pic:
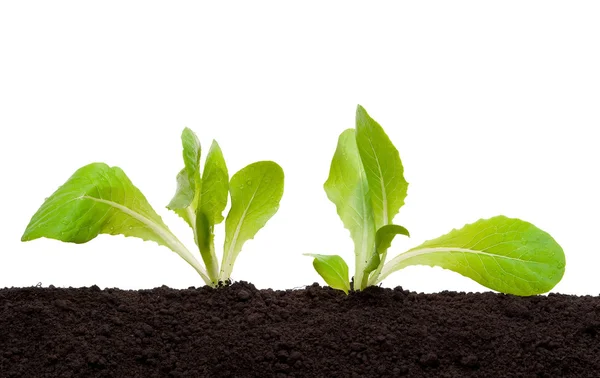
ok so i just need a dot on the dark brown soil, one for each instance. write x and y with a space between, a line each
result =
239 331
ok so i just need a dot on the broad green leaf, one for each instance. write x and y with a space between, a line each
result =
98 199
385 235
255 194
333 269
188 179
383 168
213 199
348 189
215 185
504 254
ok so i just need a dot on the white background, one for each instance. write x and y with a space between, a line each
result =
494 107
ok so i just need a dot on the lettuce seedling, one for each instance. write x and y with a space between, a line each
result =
99 199
366 183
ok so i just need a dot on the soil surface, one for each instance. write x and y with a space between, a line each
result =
239 331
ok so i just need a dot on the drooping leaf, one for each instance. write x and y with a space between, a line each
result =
385 235
181 201
188 179
98 199
383 168
333 270
504 254
255 194
348 189
383 241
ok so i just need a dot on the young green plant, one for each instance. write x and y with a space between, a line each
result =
99 199
366 183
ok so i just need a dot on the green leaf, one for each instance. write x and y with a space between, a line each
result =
213 199
255 194
348 189
333 269
188 179
385 235
181 201
504 254
383 168
205 239
374 265
98 199
215 185
383 241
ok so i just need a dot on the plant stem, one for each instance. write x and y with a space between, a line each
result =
210 258
377 272
185 254
168 237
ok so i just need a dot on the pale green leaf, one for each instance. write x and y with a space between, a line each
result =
98 199
188 179
181 201
382 166
255 194
348 189
215 185
504 254
333 270
213 199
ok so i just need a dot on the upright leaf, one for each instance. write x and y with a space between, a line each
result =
99 199
333 270
188 179
215 185
255 194
383 168
213 199
504 254
348 189
191 156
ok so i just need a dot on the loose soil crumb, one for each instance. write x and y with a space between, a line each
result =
239 331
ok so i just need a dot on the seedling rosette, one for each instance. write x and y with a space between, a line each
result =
366 183
99 199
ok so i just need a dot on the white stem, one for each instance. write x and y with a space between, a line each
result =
230 254
373 280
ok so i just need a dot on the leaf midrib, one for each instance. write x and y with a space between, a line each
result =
236 234
423 251
383 186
